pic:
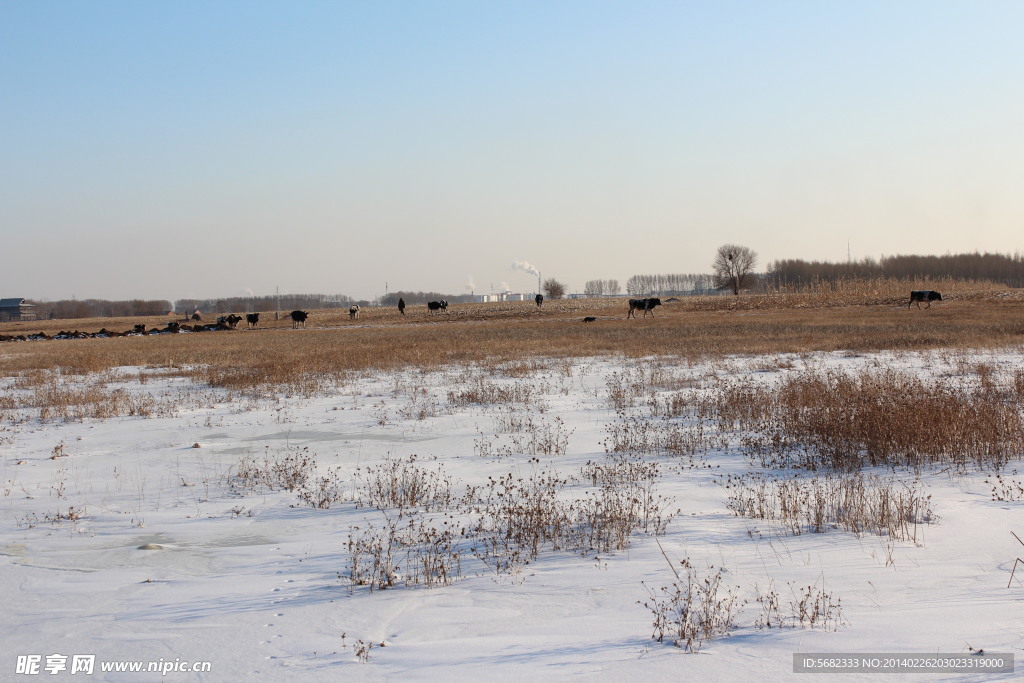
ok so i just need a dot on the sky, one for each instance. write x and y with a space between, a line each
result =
159 150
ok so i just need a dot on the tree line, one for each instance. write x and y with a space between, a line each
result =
602 288
999 268
270 302
102 308
676 283
419 298
99 308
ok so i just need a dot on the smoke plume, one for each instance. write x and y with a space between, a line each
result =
525 267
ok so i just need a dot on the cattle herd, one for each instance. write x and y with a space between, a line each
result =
298 318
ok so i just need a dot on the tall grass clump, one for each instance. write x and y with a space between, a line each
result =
274 472
842 421
694 608
404 484
852 502
629 434
518 517
405 550
58 397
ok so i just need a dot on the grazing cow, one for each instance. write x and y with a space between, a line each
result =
539 300
298 317
196 317
401 306
919 295
353 312
589 319
644 305
233 320
253 319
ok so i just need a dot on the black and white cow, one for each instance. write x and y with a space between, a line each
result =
441 305
353 312
927 295
643 305
298 317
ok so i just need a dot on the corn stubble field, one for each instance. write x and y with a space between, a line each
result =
677 469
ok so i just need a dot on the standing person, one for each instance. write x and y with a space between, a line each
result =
401 305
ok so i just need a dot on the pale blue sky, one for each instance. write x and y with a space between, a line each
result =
209 148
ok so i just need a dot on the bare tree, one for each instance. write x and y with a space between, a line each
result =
601 288
553 289
734 267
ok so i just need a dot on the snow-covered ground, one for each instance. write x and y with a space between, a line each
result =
133 538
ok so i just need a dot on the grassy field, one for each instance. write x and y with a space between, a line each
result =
872 317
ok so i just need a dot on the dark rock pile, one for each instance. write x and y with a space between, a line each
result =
104 333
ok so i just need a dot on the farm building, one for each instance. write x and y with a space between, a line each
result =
503 296
16 309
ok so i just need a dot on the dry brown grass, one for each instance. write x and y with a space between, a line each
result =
835 420
855 502
381 339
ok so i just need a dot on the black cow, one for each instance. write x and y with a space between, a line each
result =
233 320
644 305
441 305
919 295
253 319
589 319
539 300
298 317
